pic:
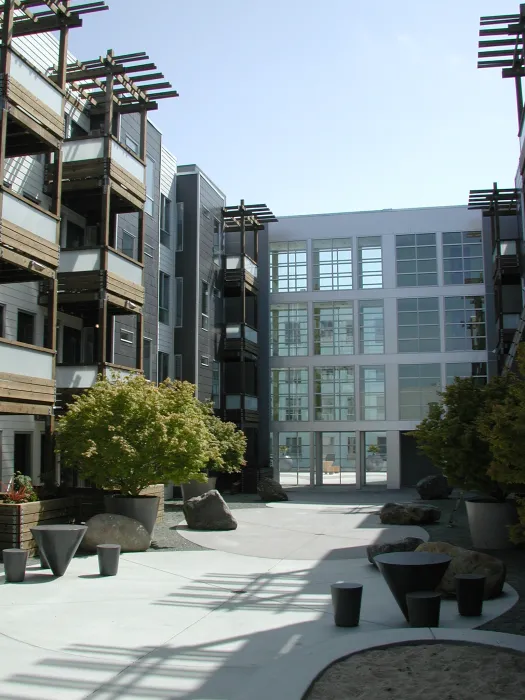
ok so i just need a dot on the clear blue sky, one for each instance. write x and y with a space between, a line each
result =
322 106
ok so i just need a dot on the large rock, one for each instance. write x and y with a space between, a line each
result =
208 512
109 528
409 544
466 561
433 487
408 514
270 490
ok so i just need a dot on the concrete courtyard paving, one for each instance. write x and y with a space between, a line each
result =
202 625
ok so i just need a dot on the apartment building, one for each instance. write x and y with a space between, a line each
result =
367 316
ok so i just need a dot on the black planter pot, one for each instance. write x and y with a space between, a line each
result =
141 508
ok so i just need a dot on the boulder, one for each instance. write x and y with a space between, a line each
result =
466 561
208 512
409 544
433 487
270 490
109 528
408 514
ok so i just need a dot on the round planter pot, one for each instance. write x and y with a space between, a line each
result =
489 523
141 508
197 488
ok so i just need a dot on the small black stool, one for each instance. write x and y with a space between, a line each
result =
15 561
423 608
108 558
470 591
346 601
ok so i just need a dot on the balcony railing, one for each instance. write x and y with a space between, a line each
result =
235 331
26 376
234 402
237 262
88 260
84 376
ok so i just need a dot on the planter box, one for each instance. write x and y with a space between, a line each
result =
90 502
16 520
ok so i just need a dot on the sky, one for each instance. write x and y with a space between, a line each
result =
316 106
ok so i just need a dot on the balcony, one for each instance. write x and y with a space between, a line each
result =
238 269
85 168
28 237
79 273
240 337
26 379
84 376
35 104
505 259
241 408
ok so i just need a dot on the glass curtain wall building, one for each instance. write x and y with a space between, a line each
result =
370 315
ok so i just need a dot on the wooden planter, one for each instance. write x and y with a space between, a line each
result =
16 520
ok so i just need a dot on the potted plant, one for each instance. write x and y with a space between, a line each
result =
230 448
452 438
20 490
127 433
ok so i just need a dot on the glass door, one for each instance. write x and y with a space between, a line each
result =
375 458
336 456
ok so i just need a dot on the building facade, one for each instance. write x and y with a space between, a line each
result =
368 316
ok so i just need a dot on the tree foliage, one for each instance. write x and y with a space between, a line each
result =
128 433
230 443
451 437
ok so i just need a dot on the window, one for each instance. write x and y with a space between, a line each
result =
2 321
25 329
178 367
372 393
126 336
180 227
131 144
163 366
216 384
371 327
178 301
294 455
150 185
463 258
334 393
418 387
290 394
416 260
148 250
476 370
289 328
205 360
288 272
205 305
334 328
165 220
370 262
146 359
23 453
418 327
332 264
465 323
128 244
164 298
71 346
75 234
217 241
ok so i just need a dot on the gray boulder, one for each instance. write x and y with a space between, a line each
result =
270 490
408 514
409 544
109 528
208 512
433 487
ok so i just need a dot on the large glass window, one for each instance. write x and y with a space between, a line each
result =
294 458
418 386
338 455
463 258
150 185
288 271
334 393
371 327
465 323
290 394
372 393
289 324
418 325
164 298
416 260
334 328
332 264
476 370
370 262
165 220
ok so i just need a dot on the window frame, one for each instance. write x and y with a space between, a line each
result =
179 302
163 357
205 305
407 373
334 409
164 297
416 342
28 314
365 327
362 263
329 269
165 221
295 278
149 204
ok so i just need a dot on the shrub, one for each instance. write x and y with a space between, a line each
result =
20 490
230 443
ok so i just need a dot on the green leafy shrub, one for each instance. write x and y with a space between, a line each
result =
20 490
230 443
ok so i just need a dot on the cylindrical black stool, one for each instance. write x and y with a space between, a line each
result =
108 557
15 561
423 608
470 589
346 600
